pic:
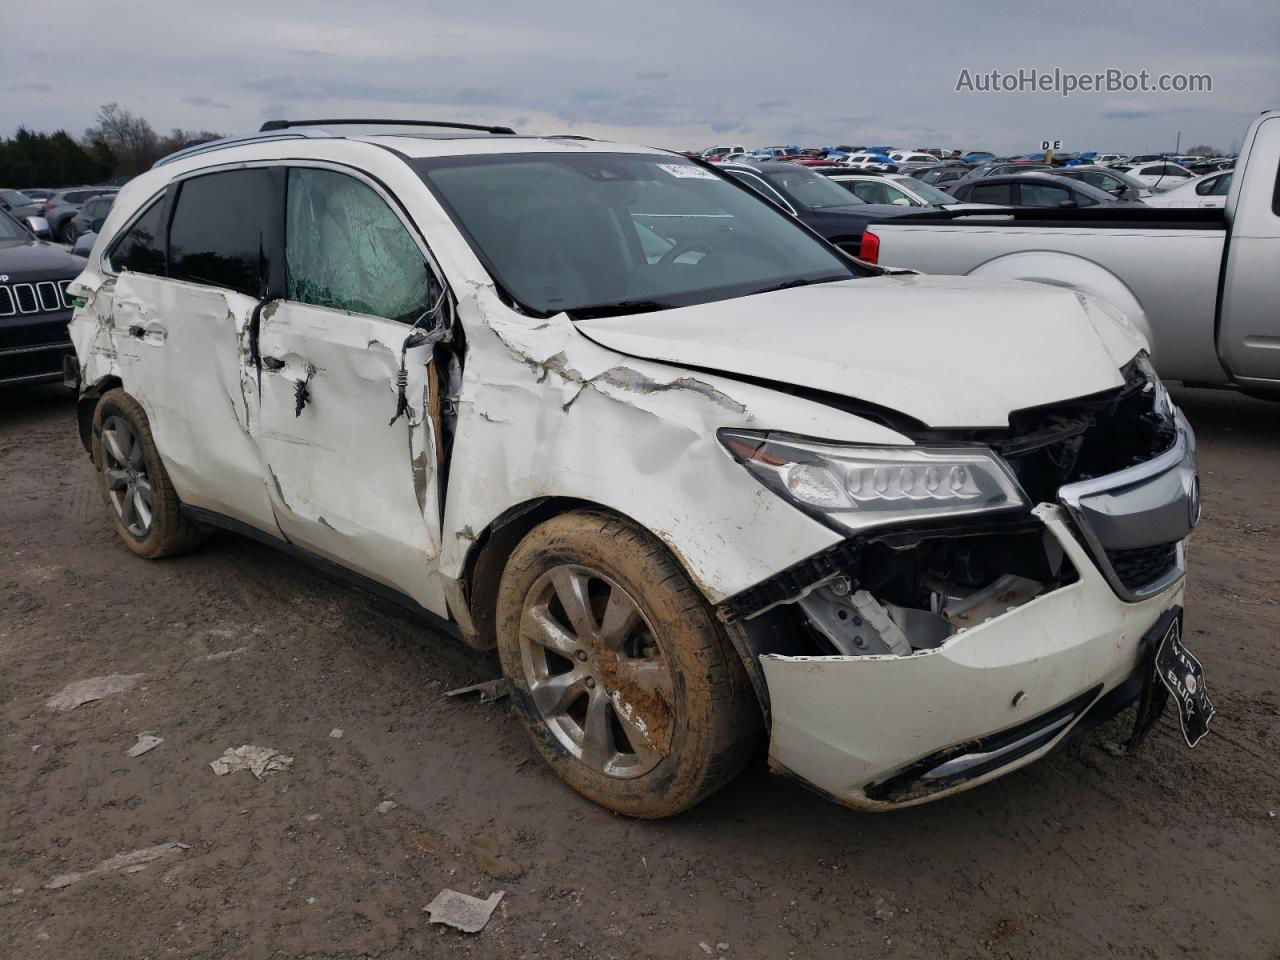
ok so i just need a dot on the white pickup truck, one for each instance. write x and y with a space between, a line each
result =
1201 285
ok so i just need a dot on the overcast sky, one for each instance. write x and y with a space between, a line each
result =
676 74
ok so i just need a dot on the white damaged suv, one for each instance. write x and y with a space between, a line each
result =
695 474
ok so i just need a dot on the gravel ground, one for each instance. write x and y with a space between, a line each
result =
1164 853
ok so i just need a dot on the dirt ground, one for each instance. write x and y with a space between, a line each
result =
1165 853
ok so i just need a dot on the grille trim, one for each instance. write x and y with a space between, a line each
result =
47 291
28 299
1168 509
25 294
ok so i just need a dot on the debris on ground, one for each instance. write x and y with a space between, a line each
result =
705 947
722 947
490 859
126 862
95 688
460 911
336 733
386 806
146 742
259 761
489 691
430 844
1113 748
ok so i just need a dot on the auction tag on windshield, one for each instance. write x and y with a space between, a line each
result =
1181 673
687 171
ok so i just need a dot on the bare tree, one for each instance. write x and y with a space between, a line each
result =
1204 150
129 138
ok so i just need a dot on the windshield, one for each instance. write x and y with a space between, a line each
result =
598 234
808 189
925 192
15 198
9 230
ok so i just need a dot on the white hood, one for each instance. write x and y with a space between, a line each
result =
948 351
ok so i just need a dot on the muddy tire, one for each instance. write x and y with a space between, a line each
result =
618 669
135 487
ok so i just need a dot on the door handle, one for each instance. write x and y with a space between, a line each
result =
154 334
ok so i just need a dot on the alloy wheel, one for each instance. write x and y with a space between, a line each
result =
596 672
125 469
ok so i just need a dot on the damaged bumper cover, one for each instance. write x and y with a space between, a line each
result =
856 728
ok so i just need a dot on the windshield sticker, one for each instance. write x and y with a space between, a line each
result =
687 171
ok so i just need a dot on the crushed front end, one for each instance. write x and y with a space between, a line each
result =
993 595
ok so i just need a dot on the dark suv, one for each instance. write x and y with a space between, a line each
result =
34 305
820 204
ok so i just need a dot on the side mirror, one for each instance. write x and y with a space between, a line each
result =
901 202
39 226
84 244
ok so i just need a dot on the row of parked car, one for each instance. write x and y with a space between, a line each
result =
68 212
917 178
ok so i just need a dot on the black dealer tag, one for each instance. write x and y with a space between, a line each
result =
1182 675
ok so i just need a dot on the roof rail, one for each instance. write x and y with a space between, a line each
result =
286 124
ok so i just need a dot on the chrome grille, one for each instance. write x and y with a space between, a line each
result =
46 296
25 294
47 291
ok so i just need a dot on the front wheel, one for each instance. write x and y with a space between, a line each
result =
622 677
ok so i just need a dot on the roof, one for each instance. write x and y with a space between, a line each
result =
413 140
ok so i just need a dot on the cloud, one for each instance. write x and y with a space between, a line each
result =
668 77
196 100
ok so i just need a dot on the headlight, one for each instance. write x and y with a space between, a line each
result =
858 487
1160 399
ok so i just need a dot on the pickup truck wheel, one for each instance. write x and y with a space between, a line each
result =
618 670
142 503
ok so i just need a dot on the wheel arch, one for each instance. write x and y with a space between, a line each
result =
487 558
1075 272
87 403
488 554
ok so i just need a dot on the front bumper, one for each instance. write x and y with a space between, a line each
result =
851 727
32 346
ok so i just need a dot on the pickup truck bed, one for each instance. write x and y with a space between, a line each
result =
1202 285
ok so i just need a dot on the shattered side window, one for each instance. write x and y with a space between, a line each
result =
346 249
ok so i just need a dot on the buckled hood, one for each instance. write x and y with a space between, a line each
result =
948 351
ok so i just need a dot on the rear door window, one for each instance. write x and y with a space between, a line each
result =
141 248
220 231
1043 195
346 249
1000 193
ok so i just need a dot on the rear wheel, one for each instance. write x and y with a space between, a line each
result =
135 487
618 670
68 231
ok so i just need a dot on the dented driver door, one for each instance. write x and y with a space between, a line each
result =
351 468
